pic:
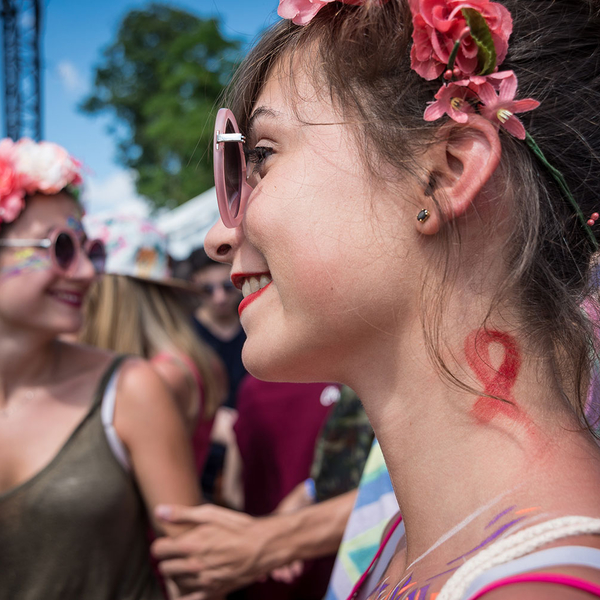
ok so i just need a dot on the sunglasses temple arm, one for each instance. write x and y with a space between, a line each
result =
26 243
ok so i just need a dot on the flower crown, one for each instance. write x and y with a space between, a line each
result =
27 167
463 41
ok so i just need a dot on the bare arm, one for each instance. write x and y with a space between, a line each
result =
227 550
150 425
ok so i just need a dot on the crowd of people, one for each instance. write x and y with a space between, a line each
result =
377 380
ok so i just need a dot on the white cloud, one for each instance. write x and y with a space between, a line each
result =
114 194
70 77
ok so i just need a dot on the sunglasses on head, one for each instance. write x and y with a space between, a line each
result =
231 180
65 248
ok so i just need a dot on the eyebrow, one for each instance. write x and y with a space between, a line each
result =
261 111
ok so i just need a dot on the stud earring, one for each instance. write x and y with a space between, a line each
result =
423 215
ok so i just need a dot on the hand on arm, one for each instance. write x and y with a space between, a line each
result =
227 550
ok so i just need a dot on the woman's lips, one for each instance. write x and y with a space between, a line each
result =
251 298
74 299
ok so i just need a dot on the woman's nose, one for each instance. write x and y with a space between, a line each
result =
221 242
85 268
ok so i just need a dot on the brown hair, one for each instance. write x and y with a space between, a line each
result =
132 316
362 56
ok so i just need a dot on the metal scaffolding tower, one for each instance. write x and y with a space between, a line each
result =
22 68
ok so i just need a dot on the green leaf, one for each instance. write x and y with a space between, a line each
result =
481 34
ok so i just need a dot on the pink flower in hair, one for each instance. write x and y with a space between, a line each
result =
500 108
438 24
27 167
301 12
44 167
451 100
11 206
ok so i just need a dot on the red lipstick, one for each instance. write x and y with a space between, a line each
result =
251 298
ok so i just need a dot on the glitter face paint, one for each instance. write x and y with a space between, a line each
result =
23 261
409 589
76 225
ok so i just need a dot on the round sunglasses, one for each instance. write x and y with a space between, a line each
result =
65 249
231 182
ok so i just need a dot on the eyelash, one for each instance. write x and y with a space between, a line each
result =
257 157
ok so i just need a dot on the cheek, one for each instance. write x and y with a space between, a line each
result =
24 262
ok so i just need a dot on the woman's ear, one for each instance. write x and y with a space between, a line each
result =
460 166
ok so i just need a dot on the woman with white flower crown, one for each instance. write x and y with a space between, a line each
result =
89 441
409 197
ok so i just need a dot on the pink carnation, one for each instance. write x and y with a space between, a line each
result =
44 167
438 24
301 12
11 206
27 167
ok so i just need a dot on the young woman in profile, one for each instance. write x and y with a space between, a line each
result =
90 441
394 226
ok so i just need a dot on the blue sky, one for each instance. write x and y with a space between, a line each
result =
75 32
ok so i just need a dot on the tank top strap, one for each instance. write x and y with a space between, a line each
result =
553 578
580 556
106 377
107 396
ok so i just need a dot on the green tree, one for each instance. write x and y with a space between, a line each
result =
161 78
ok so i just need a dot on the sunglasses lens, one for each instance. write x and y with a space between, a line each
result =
233 172
64 251
97 255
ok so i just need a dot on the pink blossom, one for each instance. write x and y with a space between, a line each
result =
451 100
11 206
44 167
501 108
302 12
27 167
438 24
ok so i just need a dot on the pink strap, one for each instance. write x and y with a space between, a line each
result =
386 539
566 580
181 358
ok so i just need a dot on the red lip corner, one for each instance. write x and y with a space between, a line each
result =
251 298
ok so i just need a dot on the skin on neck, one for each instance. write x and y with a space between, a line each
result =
450 451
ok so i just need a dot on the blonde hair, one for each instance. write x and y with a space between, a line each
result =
133 316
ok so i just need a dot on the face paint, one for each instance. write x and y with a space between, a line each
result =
409 589
497 382
26 260
76 225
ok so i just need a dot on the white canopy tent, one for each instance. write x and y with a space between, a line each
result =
187 225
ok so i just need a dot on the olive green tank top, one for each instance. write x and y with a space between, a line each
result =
77 529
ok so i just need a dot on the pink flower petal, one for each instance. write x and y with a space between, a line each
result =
434 111
515 127
488 95
508 89
458 115
521 106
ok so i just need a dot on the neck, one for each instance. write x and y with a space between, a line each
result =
26 359
454 455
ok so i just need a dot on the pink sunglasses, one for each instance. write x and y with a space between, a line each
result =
65 250
231 182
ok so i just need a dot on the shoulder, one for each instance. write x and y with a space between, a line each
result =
175 374
139 383
144 404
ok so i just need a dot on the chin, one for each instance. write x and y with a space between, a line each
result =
285 365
